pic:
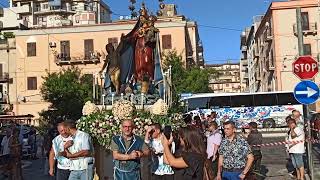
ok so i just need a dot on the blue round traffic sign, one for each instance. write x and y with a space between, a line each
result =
306 92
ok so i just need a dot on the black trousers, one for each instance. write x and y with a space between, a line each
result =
163 177
256 166
62 174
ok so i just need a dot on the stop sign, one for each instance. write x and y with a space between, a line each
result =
305 67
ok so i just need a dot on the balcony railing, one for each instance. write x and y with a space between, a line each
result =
39 10
66 59
312 29
22 9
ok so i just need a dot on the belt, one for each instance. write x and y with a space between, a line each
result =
233 169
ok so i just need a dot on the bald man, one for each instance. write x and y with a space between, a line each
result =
63 164
127 149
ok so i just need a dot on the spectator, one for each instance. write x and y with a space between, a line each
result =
316 127
188 119
254 139
127 150
213 116
32 141
191 162
296 150
197 123
63 164
47 145
213 144
15 153
5 148
80 151
296 115
235 156
160 170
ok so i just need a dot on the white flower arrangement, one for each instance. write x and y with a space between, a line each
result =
159 108
89 108
103 125
123 109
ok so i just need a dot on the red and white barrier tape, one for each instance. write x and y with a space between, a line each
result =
286 142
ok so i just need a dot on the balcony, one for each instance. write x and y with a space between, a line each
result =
311 30
25 9
41 11
65 59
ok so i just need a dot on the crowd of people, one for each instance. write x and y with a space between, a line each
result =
204 150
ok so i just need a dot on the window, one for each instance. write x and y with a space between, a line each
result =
113 41
242 101
307 49
1 71
305 21
265 99
45 6
286 98
223 101
166 42
65 50
88 48
32 83
31 49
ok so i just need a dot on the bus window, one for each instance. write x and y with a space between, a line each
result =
242 101
265 99
219 101
197 103
286 98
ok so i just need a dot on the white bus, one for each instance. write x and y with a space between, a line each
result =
268 109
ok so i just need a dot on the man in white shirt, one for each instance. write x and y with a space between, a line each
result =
5 142
80 151
63 164
296 150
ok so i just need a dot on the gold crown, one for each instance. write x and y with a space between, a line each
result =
143 11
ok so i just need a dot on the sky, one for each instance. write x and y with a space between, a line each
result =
214 17
220 22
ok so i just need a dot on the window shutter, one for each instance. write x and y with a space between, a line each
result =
166 42
32 83
88 48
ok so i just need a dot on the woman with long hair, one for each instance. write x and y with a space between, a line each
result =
191 162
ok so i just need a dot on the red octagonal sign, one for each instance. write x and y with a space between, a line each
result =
305 67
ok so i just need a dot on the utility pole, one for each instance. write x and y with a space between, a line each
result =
306 120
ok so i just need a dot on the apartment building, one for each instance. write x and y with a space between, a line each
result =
274 45
55 13
228 80
51 49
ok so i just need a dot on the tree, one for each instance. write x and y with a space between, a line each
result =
67 91
191 80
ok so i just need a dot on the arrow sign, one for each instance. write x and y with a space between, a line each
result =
306 92
310 92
